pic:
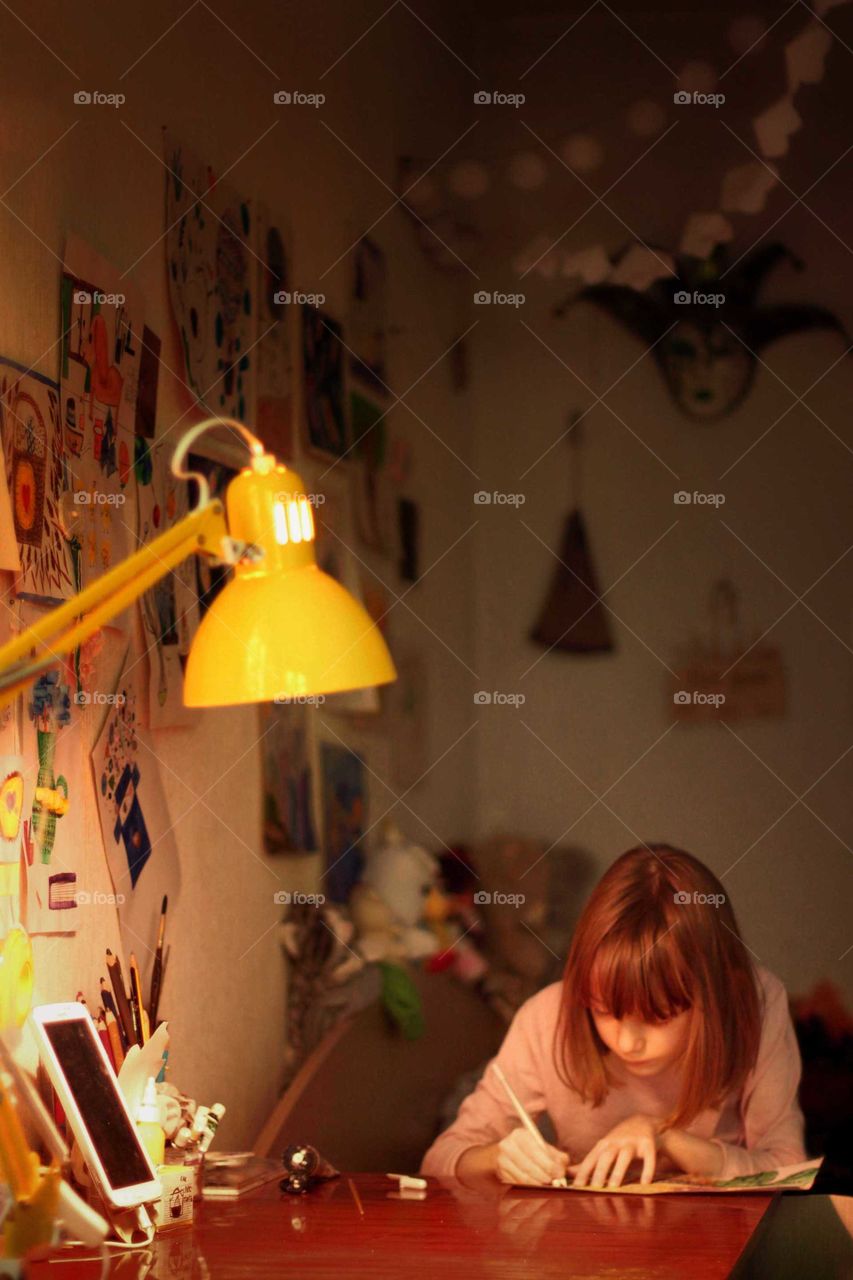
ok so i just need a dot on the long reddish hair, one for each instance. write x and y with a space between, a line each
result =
659 937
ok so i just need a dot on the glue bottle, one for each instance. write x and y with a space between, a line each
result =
148 1124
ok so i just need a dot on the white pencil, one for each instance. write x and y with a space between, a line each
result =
524 1117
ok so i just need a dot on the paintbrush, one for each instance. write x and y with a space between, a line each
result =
157 968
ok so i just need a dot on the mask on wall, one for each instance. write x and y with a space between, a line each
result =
707 326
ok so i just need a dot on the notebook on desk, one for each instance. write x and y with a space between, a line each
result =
792 1177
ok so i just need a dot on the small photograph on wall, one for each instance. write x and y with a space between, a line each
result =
344 801
326 423
288 779
373 497
368 316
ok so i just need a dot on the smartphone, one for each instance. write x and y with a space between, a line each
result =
85 1083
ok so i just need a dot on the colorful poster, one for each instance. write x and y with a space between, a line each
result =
367 322
277 314
38 476
326 425
288 807
211 282
9 557
344 792
169 609
99 379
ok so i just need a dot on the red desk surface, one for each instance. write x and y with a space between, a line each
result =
454 1233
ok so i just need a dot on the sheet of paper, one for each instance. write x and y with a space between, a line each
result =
794 1176
36 464
210 268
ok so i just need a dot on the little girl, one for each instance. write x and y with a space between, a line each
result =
663 1044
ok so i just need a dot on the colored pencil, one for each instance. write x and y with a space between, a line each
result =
157 969
122 1003
136 999
104 1037
110 1007
112 1025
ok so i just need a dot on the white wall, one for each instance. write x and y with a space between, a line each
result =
604 717
225 992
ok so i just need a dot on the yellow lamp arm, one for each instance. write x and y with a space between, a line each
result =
202 531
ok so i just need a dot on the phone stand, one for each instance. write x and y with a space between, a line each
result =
131 1228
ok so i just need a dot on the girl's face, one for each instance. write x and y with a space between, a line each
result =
645 1048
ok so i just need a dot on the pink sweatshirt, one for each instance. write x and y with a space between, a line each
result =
760 1129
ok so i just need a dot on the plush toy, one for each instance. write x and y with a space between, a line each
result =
401 875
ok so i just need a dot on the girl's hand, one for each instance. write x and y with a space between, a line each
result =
519 1157
634 1139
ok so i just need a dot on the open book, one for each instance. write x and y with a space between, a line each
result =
798 1177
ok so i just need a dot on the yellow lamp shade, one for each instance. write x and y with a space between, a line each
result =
281 628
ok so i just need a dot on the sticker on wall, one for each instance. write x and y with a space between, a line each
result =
210 271
99 380
37 475
278 315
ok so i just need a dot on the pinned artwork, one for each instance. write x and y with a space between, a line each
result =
288 801
169 609
15 795
274 350
9 558
374 510
344 792
708 355
53 830
326 426
119 771
99 380
211 286
367 322
37 475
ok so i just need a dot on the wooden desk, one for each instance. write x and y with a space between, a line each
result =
453 1234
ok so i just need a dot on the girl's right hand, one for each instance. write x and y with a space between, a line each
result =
521 1158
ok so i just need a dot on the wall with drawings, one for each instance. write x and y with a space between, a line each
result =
90 221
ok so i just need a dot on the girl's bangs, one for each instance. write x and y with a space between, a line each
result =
644 977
